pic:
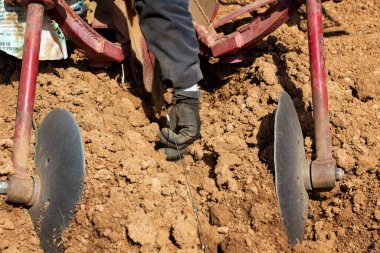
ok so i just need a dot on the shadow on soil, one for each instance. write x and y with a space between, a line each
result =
265 135
218 76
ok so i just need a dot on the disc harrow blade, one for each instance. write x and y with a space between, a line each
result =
60 167
290 162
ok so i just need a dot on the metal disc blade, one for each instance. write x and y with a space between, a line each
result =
290 161
60 167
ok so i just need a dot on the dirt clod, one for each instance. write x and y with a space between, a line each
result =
220 215
185 233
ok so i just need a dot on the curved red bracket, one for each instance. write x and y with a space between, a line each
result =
250 35
87 40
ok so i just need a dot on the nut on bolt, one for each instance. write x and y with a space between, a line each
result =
3 187
339 173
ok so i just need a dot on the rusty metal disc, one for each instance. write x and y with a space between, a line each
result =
60 168
290 162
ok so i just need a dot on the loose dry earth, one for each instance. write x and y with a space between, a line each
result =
135 201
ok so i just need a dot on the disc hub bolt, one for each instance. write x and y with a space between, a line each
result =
3 187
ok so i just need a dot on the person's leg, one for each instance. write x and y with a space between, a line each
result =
168 29
169 32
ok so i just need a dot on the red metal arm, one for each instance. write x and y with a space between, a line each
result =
324 167
318 79
27 90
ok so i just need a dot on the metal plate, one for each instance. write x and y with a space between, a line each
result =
290 161
60 166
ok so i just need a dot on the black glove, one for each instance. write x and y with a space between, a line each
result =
185 123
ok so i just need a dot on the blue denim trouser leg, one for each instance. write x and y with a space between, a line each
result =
168 29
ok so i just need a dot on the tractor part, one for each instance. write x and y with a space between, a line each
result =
3 187
22 188
220 45
293 173
204 12
248 36
87 40
290 163
323 168
60 167
54 190
27 89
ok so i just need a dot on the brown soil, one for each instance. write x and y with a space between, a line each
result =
135 201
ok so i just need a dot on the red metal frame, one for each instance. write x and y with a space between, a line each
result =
98 48
323 168
250 35
84 36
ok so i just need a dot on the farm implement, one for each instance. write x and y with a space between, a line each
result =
54 189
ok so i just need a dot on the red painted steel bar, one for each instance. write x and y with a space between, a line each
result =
318 79
27 89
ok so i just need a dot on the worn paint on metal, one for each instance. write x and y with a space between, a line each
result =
318 79
84 36
27 89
